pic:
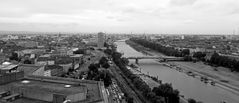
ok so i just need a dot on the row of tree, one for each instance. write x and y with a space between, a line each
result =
128 98
224 61
219 60
200 55
161 94
190 100
167 50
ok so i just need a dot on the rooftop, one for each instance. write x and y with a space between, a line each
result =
28 68
55 85
8 67
27 100
47 86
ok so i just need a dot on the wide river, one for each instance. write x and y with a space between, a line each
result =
188 86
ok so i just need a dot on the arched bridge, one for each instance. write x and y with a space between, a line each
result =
163 59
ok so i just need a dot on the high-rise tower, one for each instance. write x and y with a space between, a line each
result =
101 40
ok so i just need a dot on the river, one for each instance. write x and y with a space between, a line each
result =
188 86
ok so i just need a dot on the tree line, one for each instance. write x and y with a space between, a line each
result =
167 50
219 60
224 61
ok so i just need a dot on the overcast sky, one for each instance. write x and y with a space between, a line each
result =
124 16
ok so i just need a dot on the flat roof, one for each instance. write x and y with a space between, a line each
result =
27 100
57 85
47 86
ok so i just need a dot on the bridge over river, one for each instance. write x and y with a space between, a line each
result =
161 58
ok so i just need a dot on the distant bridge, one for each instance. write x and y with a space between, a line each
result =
163 59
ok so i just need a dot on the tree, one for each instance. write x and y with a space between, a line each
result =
159 99
93 72
236 66
117 55
214 58
106 45
106 65
151 95
14 56
185 52
108 51
233 63
190 100
27 62
103 60
106 78
93 68
167 91
70 70
187 58
199 55
125 61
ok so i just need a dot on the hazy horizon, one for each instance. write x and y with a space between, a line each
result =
118 16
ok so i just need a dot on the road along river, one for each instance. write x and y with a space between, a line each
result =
188 86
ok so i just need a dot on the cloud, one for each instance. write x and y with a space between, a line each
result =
119 15
235 11
232 7
189 21
182 2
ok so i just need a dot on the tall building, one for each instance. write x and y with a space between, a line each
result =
182 37
101 40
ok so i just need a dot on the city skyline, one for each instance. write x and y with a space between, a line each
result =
115 16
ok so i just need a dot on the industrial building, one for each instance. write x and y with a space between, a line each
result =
17 88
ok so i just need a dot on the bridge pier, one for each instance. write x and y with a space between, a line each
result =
136 61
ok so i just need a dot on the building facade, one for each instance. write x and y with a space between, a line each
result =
101 40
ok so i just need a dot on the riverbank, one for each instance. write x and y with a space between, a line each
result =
145 77
152 83
224 78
